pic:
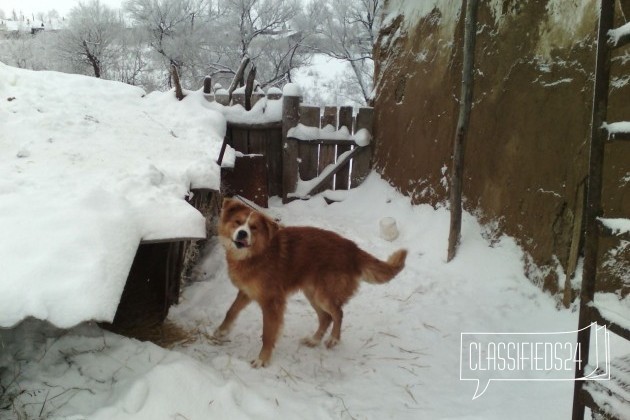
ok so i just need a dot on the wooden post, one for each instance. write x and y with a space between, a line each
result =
238 77
574 250
593 194
362 164
207 85
207 89
465 104
249 87
179 93
290 118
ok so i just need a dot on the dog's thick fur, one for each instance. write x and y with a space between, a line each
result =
268 262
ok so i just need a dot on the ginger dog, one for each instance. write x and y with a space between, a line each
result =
268 262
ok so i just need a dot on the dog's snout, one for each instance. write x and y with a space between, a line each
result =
241 235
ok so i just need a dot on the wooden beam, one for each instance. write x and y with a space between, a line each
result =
593 193
339 166
465 105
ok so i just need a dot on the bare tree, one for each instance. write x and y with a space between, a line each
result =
88 39
268 32
52 14
465 105
131 64
347 32
173 28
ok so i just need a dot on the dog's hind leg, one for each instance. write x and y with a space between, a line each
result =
241 301
273 314
336 314
324 322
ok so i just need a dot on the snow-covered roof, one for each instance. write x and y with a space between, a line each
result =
88 169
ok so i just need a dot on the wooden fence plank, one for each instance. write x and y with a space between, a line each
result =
327 152
274 161
257 142
309 115
327 155
345 119
254 186
330 116
341 178
362 163
238 140
307 152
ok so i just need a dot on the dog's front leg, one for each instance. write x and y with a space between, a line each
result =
241 301
273 315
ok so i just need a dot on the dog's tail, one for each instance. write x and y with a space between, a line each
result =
376 271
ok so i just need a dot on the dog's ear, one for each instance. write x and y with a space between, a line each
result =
231 205
227 202
272 227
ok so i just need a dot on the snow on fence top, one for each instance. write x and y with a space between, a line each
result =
263 111
89 168
291 89
306 133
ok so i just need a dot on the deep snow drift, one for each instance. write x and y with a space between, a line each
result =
88 168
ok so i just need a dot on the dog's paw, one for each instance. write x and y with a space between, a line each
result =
258 363
331 342
219 336
309 342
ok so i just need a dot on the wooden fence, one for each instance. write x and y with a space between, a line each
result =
310 150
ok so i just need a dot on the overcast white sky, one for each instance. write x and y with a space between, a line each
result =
29 7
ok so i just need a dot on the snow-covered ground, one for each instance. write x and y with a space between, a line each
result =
399 355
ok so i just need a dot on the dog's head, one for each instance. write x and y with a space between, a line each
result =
243 231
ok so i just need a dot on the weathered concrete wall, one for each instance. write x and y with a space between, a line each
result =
527 145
